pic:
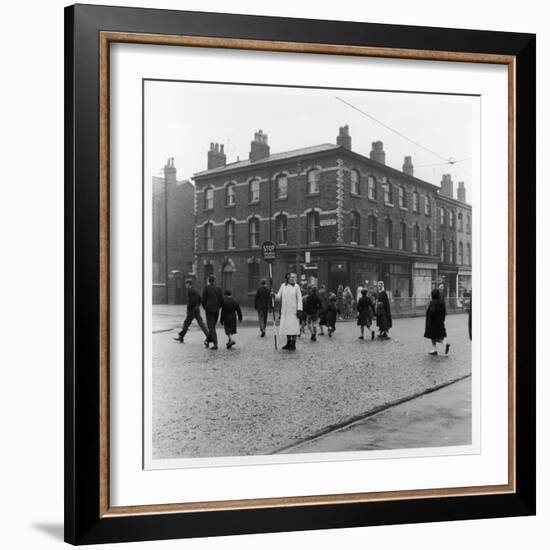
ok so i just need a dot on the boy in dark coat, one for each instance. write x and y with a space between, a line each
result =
365 313
312 307
435 322
230 311
332 313
262 302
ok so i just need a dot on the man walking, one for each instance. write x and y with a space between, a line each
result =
261 305
212 301
193 311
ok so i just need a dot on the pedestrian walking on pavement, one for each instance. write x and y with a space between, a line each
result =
323 296
332 312
262 301
290 297
212 301
347 296
312 307
383 312
435 323
228 318
365 313
193 311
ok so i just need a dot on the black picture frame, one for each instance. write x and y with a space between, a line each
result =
84 522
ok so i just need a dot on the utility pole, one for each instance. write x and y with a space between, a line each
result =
166 233
299 223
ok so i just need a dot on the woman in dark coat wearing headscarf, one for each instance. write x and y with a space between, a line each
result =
230 312
383 312
435 322
365 313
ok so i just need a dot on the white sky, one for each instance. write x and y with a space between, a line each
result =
181 119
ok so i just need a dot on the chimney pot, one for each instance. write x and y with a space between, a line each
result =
408 167
377 153
259 147
343 138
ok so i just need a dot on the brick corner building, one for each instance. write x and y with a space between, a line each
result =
357 218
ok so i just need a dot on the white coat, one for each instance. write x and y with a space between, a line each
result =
291 302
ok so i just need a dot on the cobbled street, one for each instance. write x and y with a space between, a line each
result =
253 399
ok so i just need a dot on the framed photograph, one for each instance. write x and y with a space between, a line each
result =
295 257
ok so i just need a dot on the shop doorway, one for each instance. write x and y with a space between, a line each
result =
338 274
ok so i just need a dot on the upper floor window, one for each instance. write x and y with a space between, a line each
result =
416 200
388 237
416 238
460 223
467 223
230 194
428 241
460 253
443 254
468 254
254 232
282 187
442 216
372 230
388 193
209 198
281 229
452 253
402 199
312 222
230 234
209 236
451 218
313 177
403 236
354 182
427 206
254 190
354 222
371 188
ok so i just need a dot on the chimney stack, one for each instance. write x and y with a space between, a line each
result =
344 139
259 149
408 167
216 156
461 192
377 154
447 186
170 171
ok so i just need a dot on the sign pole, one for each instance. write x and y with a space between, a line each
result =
272 303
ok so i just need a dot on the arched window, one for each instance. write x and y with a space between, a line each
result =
230 194
253 276
428 241
209 198
460 253
402 198
416 201
403 236
209 236
254 232
468 254
442 216
467 223
230 234
282 187
416 238
451 218
281 229
312 222
254 190
371 188
355 182
388 233
372 230
427 206
354 223
313 181
460 222
443 250
452 253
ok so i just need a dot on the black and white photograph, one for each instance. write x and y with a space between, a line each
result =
310 273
